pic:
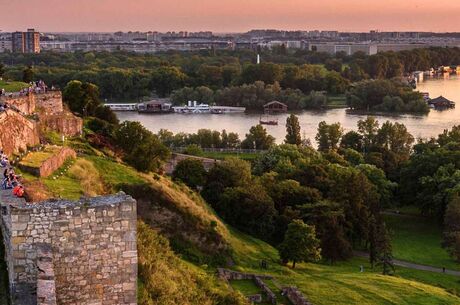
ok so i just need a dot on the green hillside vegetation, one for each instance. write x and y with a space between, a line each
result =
322 283
12 86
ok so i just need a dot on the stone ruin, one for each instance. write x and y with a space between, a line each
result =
52 163
65 252
230 275
62 252
18 130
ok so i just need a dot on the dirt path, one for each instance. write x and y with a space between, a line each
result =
409 265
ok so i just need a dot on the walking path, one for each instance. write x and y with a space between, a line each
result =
409 265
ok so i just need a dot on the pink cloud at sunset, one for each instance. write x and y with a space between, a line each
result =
230 15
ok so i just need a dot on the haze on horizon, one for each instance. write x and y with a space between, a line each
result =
229 15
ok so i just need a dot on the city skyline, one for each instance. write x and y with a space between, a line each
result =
230 16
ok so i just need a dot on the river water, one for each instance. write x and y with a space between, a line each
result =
420 126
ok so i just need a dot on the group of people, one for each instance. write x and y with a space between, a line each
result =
10 179
35 87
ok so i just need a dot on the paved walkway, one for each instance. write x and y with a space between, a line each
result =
409 265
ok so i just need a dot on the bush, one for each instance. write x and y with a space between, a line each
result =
193 150
191 172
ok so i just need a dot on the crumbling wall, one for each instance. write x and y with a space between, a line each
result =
49 102
295 296
93 242
17 132
64 123
24 103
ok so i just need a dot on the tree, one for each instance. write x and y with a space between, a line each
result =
83 98
383 249
106 114
368 130
2 70
143 150
293 130
248 208
258 138
328 136
191 172
300 244
329 220
352 140
28 74
166 79
451 236
232 172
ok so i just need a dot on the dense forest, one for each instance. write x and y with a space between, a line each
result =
224 77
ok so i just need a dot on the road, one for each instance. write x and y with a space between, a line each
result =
409 265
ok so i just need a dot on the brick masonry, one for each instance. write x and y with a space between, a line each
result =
91 257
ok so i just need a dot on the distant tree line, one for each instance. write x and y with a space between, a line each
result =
129 76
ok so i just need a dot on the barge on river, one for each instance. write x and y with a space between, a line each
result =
193 107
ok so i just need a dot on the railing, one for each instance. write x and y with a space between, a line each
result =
222 150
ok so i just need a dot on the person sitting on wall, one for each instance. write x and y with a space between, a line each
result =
6 185
18 191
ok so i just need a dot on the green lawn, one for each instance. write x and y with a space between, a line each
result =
12 86
342 283
417 239
246 287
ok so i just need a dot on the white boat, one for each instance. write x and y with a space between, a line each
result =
193 107
122 107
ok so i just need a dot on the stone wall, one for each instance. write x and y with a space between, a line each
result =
24 103
267 291
17 132
231 275
51 164
93 245
49 102
295 296
64 123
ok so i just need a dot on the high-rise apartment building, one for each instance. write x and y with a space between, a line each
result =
26 42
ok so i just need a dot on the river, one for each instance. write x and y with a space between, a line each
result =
421 126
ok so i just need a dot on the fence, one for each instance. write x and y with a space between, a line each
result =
223 150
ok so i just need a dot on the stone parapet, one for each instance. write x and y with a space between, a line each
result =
93 246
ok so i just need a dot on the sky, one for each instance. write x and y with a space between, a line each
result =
229 15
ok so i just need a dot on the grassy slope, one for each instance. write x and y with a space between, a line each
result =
323 284
12 86
418 240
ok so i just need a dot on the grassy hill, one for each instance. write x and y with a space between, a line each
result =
201 241
422 248
12 86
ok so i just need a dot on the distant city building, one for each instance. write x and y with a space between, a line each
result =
6 45
26 42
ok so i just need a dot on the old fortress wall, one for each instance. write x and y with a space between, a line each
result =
18 131
90 247
63 252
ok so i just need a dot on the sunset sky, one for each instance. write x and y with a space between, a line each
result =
229 15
